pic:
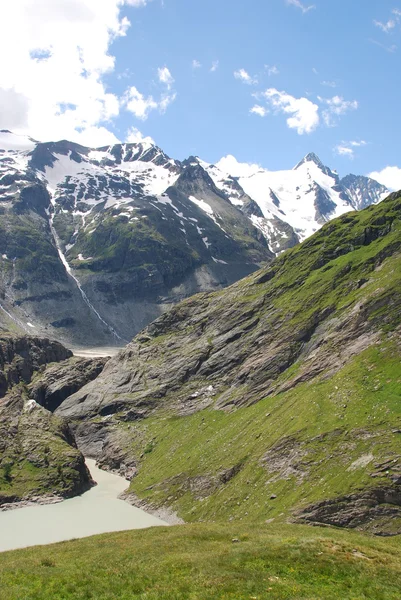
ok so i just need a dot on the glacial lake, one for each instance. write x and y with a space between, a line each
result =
97 511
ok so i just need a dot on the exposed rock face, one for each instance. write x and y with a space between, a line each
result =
21 356
59 381
38 454
377 510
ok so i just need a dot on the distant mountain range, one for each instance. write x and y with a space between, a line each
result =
96 243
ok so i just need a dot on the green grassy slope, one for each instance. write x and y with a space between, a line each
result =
201 562
320 440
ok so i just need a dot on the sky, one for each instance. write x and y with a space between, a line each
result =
266 81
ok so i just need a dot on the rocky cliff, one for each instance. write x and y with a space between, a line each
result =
39 458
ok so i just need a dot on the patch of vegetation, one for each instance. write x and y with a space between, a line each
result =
205 562
36 458
298 446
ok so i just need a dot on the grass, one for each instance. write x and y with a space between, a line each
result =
200 562
325 425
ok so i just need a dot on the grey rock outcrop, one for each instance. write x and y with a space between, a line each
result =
52 386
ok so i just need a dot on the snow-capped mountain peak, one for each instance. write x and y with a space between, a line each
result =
99 239
310 157
303 198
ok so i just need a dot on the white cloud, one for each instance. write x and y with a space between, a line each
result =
391 23
244 76
301 6
392 48
386 27
272 70
259 110
165 101
95 137
138 3
389 176
331 84
358 144
215 66
344 151
196 64
348 148
134 136
229 164
55 54
336 106
165 77
304 113
140 106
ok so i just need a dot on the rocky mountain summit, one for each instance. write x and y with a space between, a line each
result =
276 397
96 243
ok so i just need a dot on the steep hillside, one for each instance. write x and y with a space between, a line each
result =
271 397
96 243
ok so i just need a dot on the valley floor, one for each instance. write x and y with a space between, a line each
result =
208 561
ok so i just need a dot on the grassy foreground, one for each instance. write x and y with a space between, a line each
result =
203 562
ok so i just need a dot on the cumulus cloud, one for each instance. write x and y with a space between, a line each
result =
336 107
304 114
389 176
244 76
215 66
134 136
348 148
55 55
196 64
259 110
136 103
303 7
165 77
230 164
141 106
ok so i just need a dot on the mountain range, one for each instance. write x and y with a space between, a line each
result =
276 399
96 243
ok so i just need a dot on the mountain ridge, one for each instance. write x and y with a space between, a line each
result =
96 243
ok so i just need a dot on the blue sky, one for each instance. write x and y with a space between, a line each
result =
265 80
